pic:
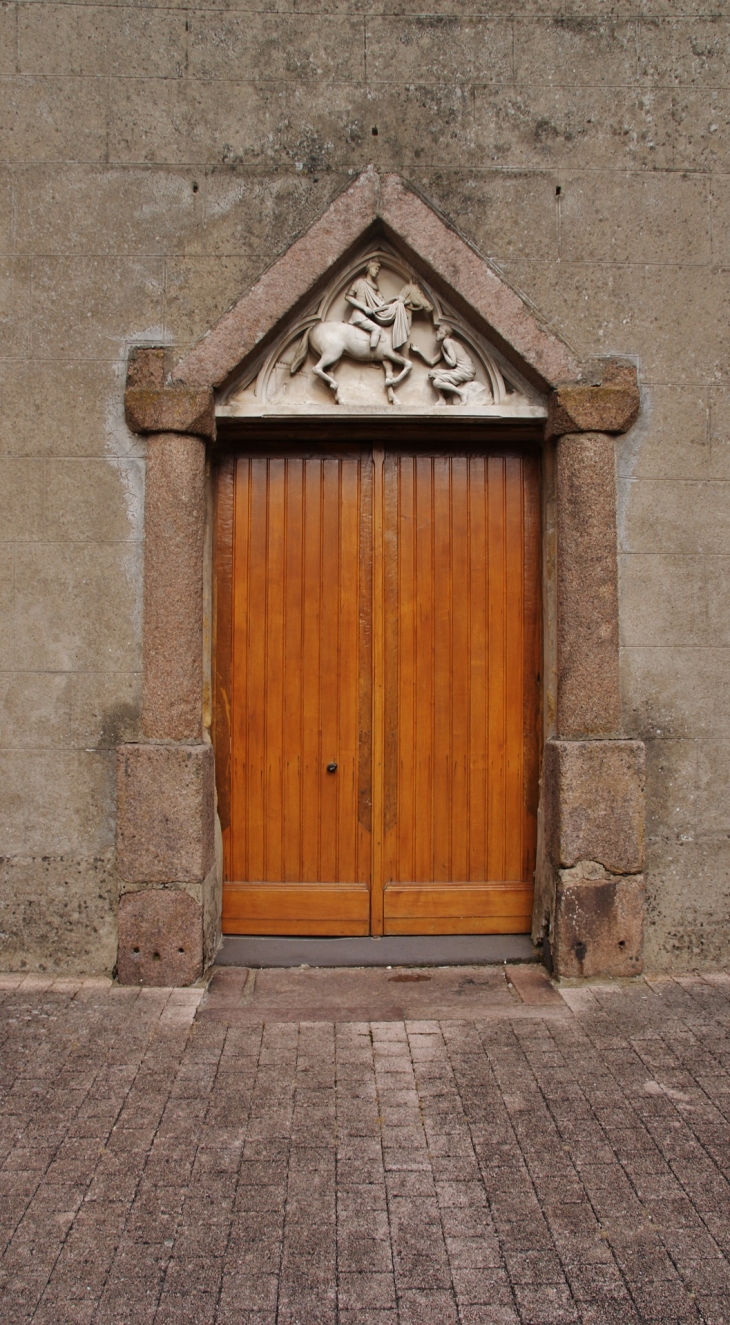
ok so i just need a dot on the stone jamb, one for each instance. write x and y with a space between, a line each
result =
589 909
589 883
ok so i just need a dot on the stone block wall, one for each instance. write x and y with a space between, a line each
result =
154 161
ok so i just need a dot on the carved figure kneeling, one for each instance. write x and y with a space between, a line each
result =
458 366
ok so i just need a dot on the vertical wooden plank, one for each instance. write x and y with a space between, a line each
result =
477 867
497 663
223 646
239 678
254 714
348 669
460 602
403 864
293 696
273 628
424 651
391 540
532 693
376 898
514 649
310 737
443 669
329 664
365 678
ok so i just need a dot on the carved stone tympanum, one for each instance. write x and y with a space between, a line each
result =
379 337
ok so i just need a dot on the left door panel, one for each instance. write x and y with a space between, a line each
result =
300 631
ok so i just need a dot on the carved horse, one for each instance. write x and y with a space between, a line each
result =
333 340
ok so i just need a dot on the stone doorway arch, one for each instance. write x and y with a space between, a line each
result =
589 895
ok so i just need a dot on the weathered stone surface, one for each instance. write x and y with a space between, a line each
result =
598 926
22 484
173 588
56 802
401 46
170 409
165 813
58 911
197 289
665 601
61 119
694 519
57 711
622 312
594 227
64 409
671 438
81 302
572 128
93 500
280 288
73 608
146 368
160 938
509 216
688 889
64 42
15 331
521 336
157 219
577 52
611 407
287 44
594 804
589 701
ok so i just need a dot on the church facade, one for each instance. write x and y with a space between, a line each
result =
366 456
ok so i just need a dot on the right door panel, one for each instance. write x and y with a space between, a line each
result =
461 659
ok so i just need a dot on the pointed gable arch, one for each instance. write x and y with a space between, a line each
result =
385 205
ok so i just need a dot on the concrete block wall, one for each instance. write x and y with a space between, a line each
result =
153 161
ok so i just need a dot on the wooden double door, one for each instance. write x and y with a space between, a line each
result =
377 689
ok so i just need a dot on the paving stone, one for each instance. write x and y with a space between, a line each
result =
555 1168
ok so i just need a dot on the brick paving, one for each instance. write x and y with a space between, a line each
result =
567 1164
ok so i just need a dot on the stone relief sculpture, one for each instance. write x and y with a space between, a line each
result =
370 310
363 337
379 314
457 378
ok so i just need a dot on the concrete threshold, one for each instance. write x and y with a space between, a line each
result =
390 950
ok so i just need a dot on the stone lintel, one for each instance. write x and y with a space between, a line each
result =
165 813
160 938
594 804
611 407
598 926
168 409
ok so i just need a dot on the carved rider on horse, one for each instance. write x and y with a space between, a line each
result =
370 309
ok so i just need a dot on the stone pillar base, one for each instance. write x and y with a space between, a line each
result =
598 923
589 896
160 938
167 858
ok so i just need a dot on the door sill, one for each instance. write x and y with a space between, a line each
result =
391 950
